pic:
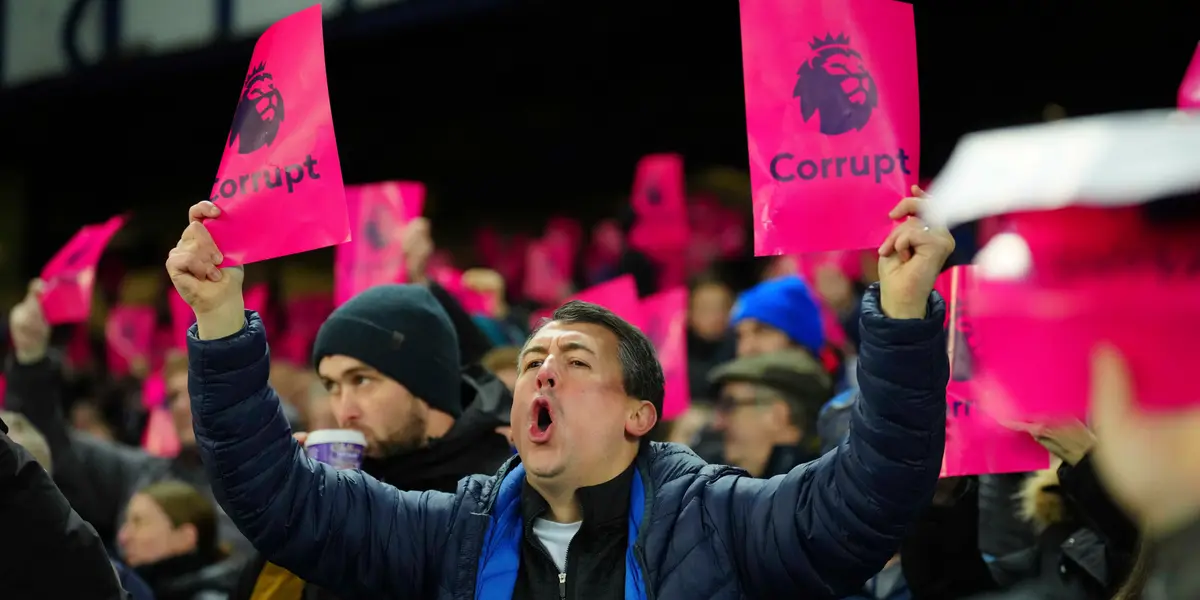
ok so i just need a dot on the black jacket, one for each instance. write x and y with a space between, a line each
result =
48 551
472 446
1085 554
98 477
596 561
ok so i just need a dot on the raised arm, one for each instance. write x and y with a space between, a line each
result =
828 526
342 530
833 523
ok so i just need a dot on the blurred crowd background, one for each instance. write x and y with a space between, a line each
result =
512 113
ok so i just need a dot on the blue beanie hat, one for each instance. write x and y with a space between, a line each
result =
403 332
786 304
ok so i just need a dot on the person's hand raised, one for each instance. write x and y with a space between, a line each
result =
910 260
1148 460
215 294
27 324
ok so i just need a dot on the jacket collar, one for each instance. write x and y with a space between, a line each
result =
603 504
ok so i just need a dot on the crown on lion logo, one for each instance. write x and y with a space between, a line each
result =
818 43
256 70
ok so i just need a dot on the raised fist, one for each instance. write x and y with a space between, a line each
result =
910 260
215 294
30 332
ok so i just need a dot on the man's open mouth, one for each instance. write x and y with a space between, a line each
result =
544 418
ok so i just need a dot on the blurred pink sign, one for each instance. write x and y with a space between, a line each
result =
665 317
545 280
279 185
160 438
976 443
378 213
129 337
71 274
1094 275
832 118
1189 90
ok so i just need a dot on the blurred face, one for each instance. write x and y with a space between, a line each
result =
750 426
181 408
361 398
147 535
571 418
755 337
709 312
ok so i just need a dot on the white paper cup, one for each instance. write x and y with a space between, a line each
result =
338 448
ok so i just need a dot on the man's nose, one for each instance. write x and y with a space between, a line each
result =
546 376
345 408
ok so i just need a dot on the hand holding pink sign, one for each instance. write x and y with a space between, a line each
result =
69 277
280 182
832 119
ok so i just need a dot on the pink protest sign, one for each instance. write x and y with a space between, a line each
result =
665 317
279 185
182 317
976 443
832 120
256 299
618 295
304 314
1189 91
1037 329
378 213
660 205
160 438
70 275
129 337
545 281
154 390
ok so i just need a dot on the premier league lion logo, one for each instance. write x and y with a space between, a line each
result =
259 112
836 83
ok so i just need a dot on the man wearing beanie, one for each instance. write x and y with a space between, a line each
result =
389 358
778 314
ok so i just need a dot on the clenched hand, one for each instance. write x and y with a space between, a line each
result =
910 260
215 294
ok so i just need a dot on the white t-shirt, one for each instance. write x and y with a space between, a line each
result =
556 537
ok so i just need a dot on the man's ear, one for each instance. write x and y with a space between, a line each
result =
641 419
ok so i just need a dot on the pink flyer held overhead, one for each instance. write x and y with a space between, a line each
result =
280 182
378 213
618 295
1189 91
70 275
1038 329
665 317
976 443
832 120
660 206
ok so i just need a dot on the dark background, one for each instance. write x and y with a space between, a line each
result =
540 108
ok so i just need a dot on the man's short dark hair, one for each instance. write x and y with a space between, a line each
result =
641 373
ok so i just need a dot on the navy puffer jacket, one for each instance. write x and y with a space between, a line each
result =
697 531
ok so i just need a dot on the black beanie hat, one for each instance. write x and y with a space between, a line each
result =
403 332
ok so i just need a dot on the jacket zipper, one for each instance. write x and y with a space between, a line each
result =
562 576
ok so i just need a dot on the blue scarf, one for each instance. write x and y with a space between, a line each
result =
500 558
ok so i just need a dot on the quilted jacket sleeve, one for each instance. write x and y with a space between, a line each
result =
342 530
826 527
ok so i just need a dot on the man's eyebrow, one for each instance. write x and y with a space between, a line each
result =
565 347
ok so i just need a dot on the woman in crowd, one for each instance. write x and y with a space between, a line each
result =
169 537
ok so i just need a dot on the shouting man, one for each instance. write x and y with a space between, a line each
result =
640 519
